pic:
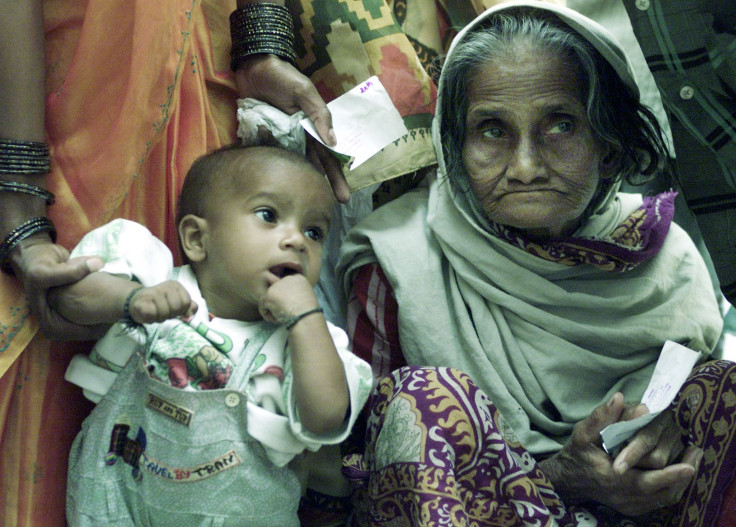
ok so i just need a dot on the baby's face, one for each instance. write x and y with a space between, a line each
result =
273 227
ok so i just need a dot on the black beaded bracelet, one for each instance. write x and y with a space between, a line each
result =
260 28
126 306
24 158
24 188
293 320
17 235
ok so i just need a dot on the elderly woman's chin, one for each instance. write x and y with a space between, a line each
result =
535 218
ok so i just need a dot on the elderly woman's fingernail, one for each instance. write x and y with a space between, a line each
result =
620 466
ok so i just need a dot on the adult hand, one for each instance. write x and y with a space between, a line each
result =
639 480
270 79
42 265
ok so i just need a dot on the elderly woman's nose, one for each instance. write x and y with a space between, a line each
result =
526 164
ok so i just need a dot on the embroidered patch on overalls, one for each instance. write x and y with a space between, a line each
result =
193 474
177 413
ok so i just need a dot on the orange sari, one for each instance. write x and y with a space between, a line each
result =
136 91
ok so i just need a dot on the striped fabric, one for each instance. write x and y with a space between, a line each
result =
690 47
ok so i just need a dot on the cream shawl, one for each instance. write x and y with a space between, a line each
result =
546 342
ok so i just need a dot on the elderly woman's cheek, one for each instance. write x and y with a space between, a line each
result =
482 159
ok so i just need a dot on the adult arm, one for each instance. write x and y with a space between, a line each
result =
268 78
100 300
36 261
643 477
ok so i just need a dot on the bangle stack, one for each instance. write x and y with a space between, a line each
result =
24 158
261 28
17 235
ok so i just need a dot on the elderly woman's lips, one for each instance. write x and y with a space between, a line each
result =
528 191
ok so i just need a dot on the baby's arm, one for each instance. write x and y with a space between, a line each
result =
320 385
100 298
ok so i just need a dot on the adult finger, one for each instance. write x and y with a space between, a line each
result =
588 430
333 169
668 485
65 273
654 446
310 101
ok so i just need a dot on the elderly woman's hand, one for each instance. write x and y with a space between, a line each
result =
42 265
270 79
643 476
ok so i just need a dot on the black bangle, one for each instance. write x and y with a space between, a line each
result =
24 188
293 320
24 158
126 306
261 28
17 235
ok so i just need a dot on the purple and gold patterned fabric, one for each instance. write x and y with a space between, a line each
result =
439 453
635 240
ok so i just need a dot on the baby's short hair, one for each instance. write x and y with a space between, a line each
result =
221 171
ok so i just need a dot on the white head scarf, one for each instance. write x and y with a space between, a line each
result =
547 342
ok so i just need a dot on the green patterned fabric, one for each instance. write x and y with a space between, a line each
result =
342 43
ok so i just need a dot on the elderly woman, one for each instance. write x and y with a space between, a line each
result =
531 300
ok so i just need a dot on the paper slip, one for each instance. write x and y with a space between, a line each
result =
674 365
365 120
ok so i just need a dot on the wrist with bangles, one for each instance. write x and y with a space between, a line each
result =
261 28
24 158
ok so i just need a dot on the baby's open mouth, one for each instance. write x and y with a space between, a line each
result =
285 270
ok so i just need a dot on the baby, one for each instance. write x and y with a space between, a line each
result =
221 371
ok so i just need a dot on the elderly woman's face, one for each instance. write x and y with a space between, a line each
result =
532 159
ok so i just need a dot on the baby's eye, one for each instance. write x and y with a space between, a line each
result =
315 233
267 215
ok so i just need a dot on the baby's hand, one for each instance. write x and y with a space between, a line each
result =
287 297
161 302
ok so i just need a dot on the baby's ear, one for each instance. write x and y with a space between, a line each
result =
192 232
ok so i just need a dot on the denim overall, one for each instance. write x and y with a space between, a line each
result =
151 454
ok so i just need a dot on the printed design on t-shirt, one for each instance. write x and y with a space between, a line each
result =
133 452
187 358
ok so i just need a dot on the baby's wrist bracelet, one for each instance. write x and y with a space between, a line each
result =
289 322
126 307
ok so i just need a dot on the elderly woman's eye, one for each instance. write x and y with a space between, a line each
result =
493 132
561 127
267 215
